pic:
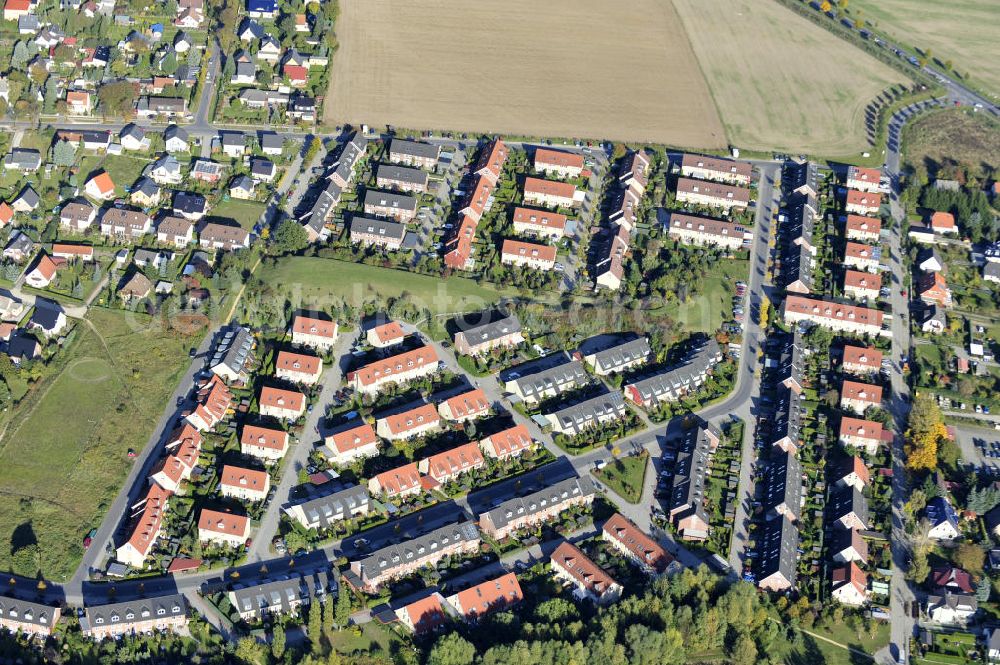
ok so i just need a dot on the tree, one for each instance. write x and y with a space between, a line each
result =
289 237
24 561
926 431
19 58
452 649
249 651
278 642
342 610
982 501
315 628
744 651
970 557
983 589
825 6
117 98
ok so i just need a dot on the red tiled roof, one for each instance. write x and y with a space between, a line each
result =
861 280
833 310
282 399
488 596
400 479
298 362
509 441
858 427
425 614
264 437
549 187
410 420
388 332
517 248
390 367
863 224
220 522
351 439
235 476
103 182
310 326
942 221
469 403
866 199
539 218
547 157
647 550
581 568
458 459
861 391
868 356
859 250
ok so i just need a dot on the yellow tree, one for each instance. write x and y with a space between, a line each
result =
926 431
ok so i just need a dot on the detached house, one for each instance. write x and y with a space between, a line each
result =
317 333
100 187
467 406
228 529
849 585
344 447
487 331
385 335
263 443
408 424
244 484
282 404
298 367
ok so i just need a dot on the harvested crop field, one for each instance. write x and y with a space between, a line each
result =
780 81
567 68
963 31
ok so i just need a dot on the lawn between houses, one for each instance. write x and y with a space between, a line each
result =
63 455
625 476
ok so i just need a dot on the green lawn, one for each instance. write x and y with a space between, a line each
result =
63 454
373 637
713 304
245 213
625 476
314 281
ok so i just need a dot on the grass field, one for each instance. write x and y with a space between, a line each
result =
963 31
625 475
63 455
313 281
713 304
780 81
569 68
954 135
245 213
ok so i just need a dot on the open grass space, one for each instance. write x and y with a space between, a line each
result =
712 306
245 213
780 81
313 281
953 136
569 68
625 475
63 455
963 31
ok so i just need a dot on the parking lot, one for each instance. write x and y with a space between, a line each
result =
980 446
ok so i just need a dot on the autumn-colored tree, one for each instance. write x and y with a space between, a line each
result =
970 557
825 6
926 431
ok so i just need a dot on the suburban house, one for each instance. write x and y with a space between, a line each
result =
372 232
786 433
285 595
146 193
77 216
511 442
551 193
49 320
398 369
537 507
862 434
176 139
487 331
183 449
862 203
692 230
637 546
206 170
25 160
679 380
403 559
151 107
232 358
298 367
491 160
450 464
492 595
853 474
576 419
539 223
190 206
848 509
588 580
549 382
413 153
27 617
100 187
712 194
951 609
214 401
325 511
263 443
782 495
402 178
281 404
146 522
466 406
558 163
348 445
123 223
70 252
316 333
849 585
864 179
943 222
423 616
134 617
863 229
943 520
385 335
930 261
398 207
459 247
848 545
528 255
863 257
400 482
620 357
135 288
175 231
777 548
355 149
835 316
857 397
221 528
716 168
861 360
223 236
861 285
408 424
42 272
933 289
686 507
245 484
